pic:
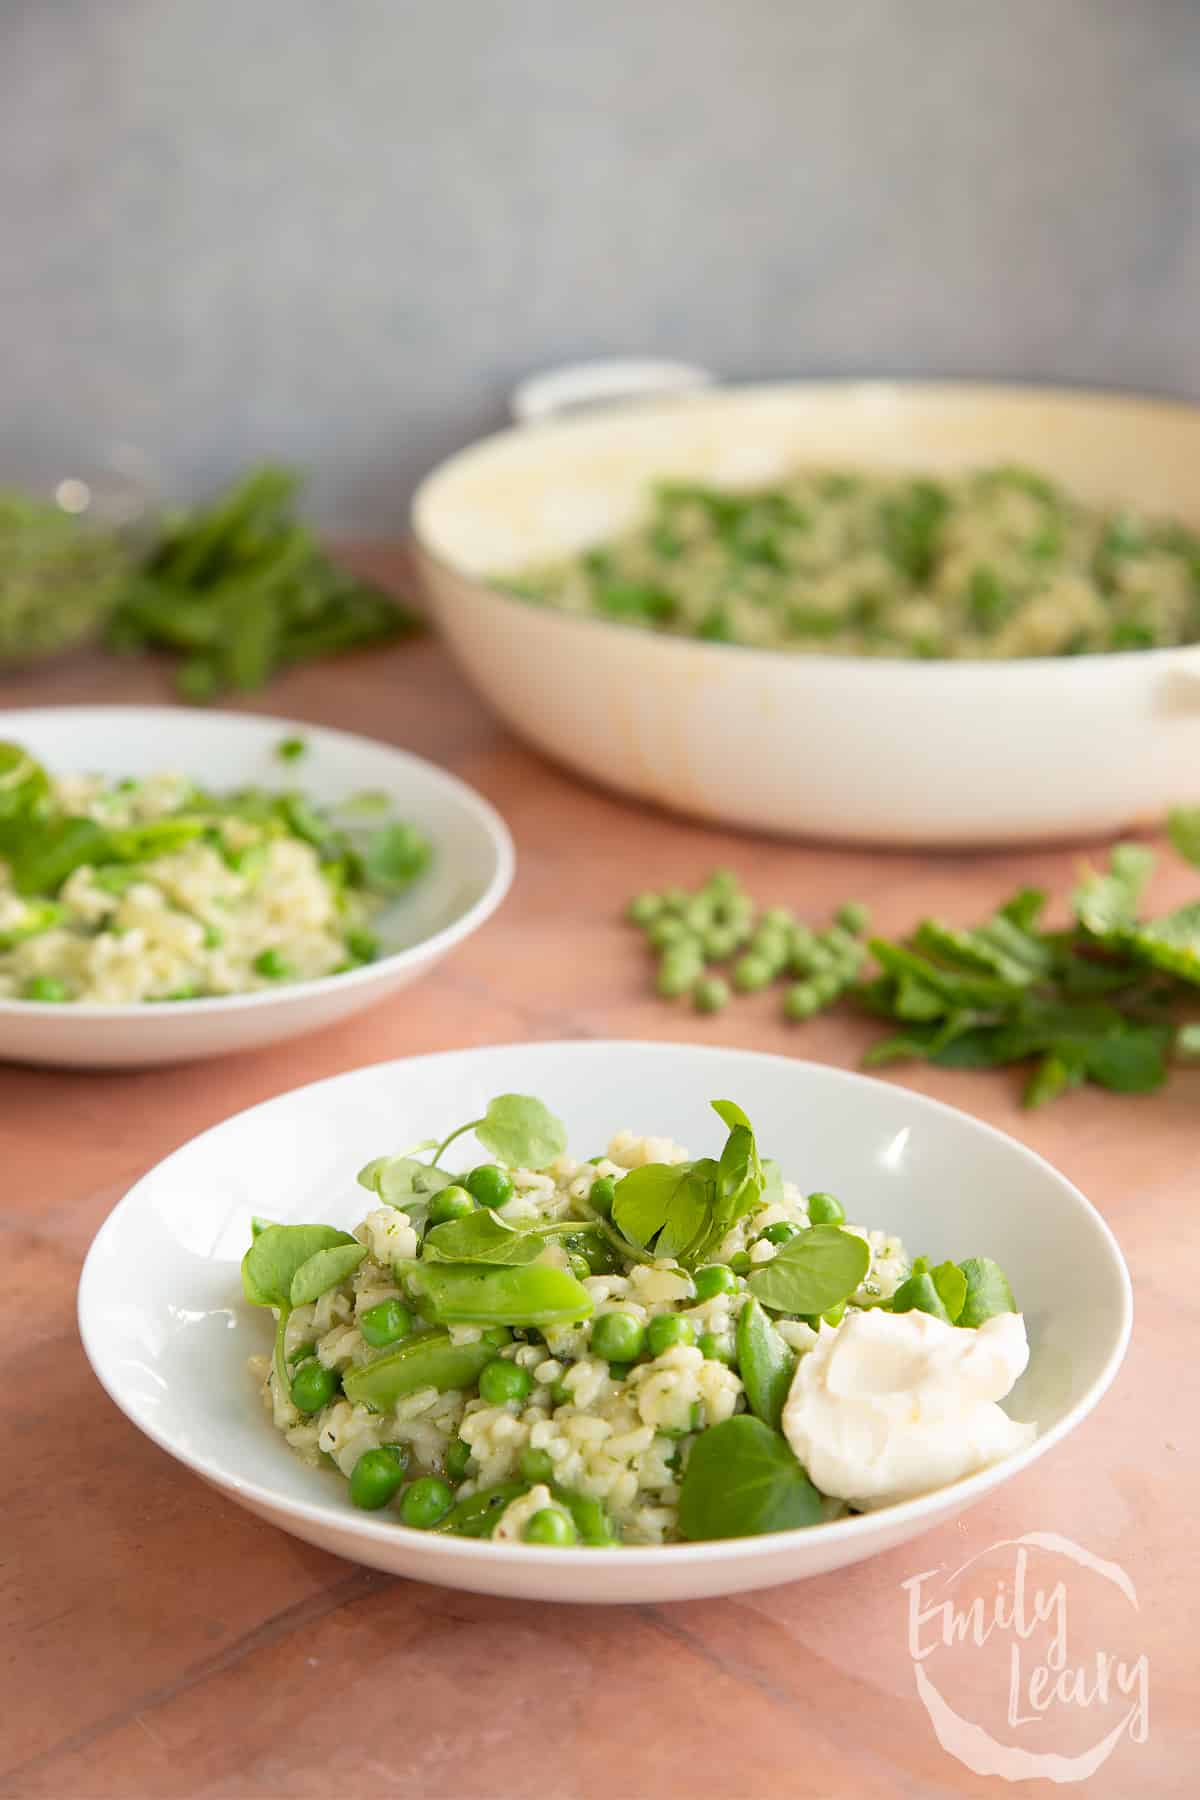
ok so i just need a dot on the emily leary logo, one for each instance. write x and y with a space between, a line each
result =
1031 1638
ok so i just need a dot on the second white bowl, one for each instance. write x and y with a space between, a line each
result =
469 876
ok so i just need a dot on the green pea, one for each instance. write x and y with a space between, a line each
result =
714 1279
800 1001
46 988
716 1349
386 1323
535 1465
780 1233
458 1459
489 1184
501 1382
619 1370
561 1394
674 899
823 1209
450 1203
643 909
377 1476
710 994
601 1195
677 972
579 1266
720 942
551 1526
668 932
665 1330
273 965
497 1336
722 884
772 947
425 1502
313 1386
698 915
778 918
752 972
739 1262
362 945
826 986
618 1337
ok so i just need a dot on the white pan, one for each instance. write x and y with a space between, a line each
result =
862 750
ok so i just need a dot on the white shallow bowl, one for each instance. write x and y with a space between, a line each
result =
168 1334
469 877
856 749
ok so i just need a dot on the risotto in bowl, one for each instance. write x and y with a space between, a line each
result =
527 1350
174 884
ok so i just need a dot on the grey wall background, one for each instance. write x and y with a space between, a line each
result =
337 230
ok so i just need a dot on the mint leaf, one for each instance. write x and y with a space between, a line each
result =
1104 903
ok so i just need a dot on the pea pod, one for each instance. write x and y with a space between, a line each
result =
765 1362
423 1360
468 1294
478 1515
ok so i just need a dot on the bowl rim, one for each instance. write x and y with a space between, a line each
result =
920 671
217 1005
371 1530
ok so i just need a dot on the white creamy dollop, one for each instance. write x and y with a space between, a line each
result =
889 1405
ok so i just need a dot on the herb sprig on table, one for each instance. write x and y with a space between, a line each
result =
1112 998
240 589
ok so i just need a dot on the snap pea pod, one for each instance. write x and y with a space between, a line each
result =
478 1515
466 1294
765 1363
426 1359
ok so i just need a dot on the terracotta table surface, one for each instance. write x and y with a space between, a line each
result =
160 1642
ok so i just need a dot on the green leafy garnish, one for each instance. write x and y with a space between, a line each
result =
270 1266
813 1272
324 1270
519 1131
482 1237
987 1291
743 1479
686 1209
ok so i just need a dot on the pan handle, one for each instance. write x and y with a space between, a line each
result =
579 386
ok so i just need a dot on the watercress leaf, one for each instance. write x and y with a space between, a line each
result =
481 1237
690 1212
324 1270
270 1263
643 1199
402 1181
258 1224
521 1132
739 1177
812 1272
731 1114
1183 827
395 855
42 853
772 1192
765 1363
742 1479
988 1292
920 1294
951 1285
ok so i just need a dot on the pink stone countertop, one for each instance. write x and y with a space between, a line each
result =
159 1642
